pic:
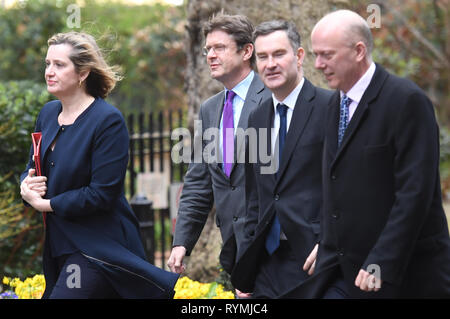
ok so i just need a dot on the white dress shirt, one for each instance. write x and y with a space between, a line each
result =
289 101
357 90
241 90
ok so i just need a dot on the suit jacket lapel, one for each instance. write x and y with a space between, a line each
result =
333 124
300 117
353 124
369 95
218 117
265 122
49 134
252 100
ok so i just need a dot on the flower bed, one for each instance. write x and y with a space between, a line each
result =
30 288
33 288
190 289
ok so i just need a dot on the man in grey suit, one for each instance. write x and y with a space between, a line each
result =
229 54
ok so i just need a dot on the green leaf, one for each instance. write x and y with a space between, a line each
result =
212 290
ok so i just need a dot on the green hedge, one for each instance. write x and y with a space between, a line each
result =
20 227
146 41
24 31
20 102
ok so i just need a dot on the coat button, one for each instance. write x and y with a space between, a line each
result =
52 163
341 253
335 215
333 177
62 128
233 188
235 218
277 197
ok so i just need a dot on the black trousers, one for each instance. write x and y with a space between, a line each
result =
338 289
81 279
278 273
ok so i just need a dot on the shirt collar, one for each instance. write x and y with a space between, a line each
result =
291 99
357 91
242 87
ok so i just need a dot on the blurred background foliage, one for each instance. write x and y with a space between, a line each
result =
20 227
414 42
147 42
20 102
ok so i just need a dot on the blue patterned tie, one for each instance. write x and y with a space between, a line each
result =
273 237
343 118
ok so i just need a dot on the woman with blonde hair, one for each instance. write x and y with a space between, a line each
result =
92 243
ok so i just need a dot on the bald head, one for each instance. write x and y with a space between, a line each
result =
349 27
342 44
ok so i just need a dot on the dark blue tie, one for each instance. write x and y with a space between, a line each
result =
343 117
273 237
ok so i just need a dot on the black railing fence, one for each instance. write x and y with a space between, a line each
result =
150 156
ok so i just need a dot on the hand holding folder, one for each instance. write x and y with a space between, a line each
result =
36 138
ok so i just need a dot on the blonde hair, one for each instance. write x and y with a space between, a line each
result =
87 56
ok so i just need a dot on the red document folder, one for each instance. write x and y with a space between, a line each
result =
37 152
37 137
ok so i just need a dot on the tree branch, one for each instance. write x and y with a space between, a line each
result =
417 34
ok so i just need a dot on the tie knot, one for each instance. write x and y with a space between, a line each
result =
346 100
230 96
282 109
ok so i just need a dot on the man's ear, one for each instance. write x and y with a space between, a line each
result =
361 51
248 51
300 56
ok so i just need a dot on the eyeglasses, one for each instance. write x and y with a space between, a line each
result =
218 49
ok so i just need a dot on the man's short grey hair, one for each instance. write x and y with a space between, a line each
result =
289 27
364 34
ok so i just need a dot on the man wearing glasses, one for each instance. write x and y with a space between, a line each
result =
229 52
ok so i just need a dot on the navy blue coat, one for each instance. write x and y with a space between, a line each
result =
86 192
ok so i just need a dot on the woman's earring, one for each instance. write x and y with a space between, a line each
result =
79 83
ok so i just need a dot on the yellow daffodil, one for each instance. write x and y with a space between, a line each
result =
6 280
30 288
191 289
